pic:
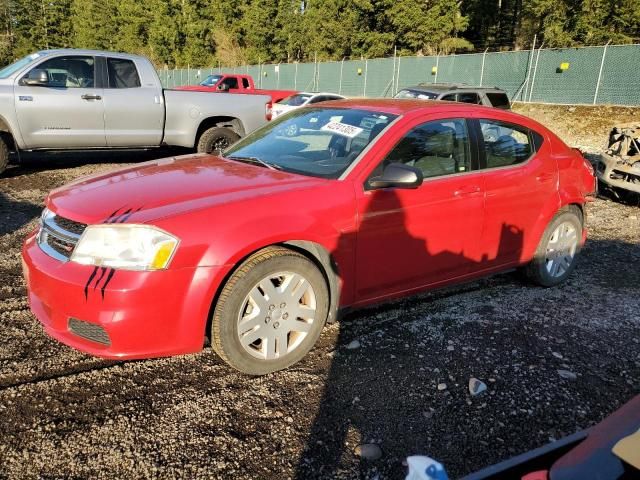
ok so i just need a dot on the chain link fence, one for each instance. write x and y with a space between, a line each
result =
587 75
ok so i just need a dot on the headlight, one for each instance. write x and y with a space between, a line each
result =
130 247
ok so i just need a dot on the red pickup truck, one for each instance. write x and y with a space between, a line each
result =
232 83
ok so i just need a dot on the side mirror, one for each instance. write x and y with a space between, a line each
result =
397 175
36 77
223 87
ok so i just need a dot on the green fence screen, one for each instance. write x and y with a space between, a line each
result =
586 75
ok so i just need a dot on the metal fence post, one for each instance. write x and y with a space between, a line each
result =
535 70
526 81
395 90
435 80
604 53
366 65
188 74
295 78
484 55
315 70
341 68
260 63
278 80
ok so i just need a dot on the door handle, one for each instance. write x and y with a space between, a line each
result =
91 97
468 190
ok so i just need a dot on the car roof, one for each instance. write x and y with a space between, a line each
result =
445 87
315 94
409 106
81 51
396 106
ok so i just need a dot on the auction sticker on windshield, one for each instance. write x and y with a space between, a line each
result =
342 129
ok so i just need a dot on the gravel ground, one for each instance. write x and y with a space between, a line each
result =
404 387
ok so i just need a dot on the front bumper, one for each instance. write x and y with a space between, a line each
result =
122 314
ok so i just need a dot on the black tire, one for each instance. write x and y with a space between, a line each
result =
536 270
216 139
224 325
4 154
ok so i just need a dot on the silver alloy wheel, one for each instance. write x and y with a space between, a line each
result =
276 315
561 249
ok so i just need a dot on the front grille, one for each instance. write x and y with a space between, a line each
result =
69 225
63 247
89 331
59 236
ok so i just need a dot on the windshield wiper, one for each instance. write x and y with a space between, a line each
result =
257 161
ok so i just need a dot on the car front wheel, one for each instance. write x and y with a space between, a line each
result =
557 253
270 312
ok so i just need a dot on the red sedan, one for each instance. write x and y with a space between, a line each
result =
257 249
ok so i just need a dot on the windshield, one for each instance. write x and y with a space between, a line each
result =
295 100
211 80
420 95
17 65
320 142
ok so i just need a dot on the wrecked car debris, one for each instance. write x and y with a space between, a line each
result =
619 166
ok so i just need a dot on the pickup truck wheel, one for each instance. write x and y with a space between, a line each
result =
557 253
216 139
270 312
4 155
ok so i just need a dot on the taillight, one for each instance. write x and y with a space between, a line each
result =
268 110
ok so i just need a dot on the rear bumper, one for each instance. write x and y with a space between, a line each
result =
119 315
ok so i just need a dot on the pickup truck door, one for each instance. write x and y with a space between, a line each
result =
66 112
133 104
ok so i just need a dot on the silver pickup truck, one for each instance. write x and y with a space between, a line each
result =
84 99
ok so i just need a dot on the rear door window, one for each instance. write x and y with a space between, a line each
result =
505 144
498 100
122 73
450 98
245 82
469 97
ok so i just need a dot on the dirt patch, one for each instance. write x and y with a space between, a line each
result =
580 126
65 414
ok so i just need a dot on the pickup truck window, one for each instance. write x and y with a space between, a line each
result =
17 65
232 82
70 72
245 83
211 80
318 142
122 73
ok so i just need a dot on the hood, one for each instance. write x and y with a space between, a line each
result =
167 187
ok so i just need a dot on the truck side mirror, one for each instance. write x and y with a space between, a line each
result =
36 78
397 175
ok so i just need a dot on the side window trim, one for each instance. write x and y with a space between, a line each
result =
482 154
102 77
96 72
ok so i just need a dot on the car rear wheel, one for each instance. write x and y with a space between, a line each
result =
270 312
558 251
216 139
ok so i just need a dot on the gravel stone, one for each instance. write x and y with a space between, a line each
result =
476 387
369 451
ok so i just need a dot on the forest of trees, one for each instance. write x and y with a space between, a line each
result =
233 32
